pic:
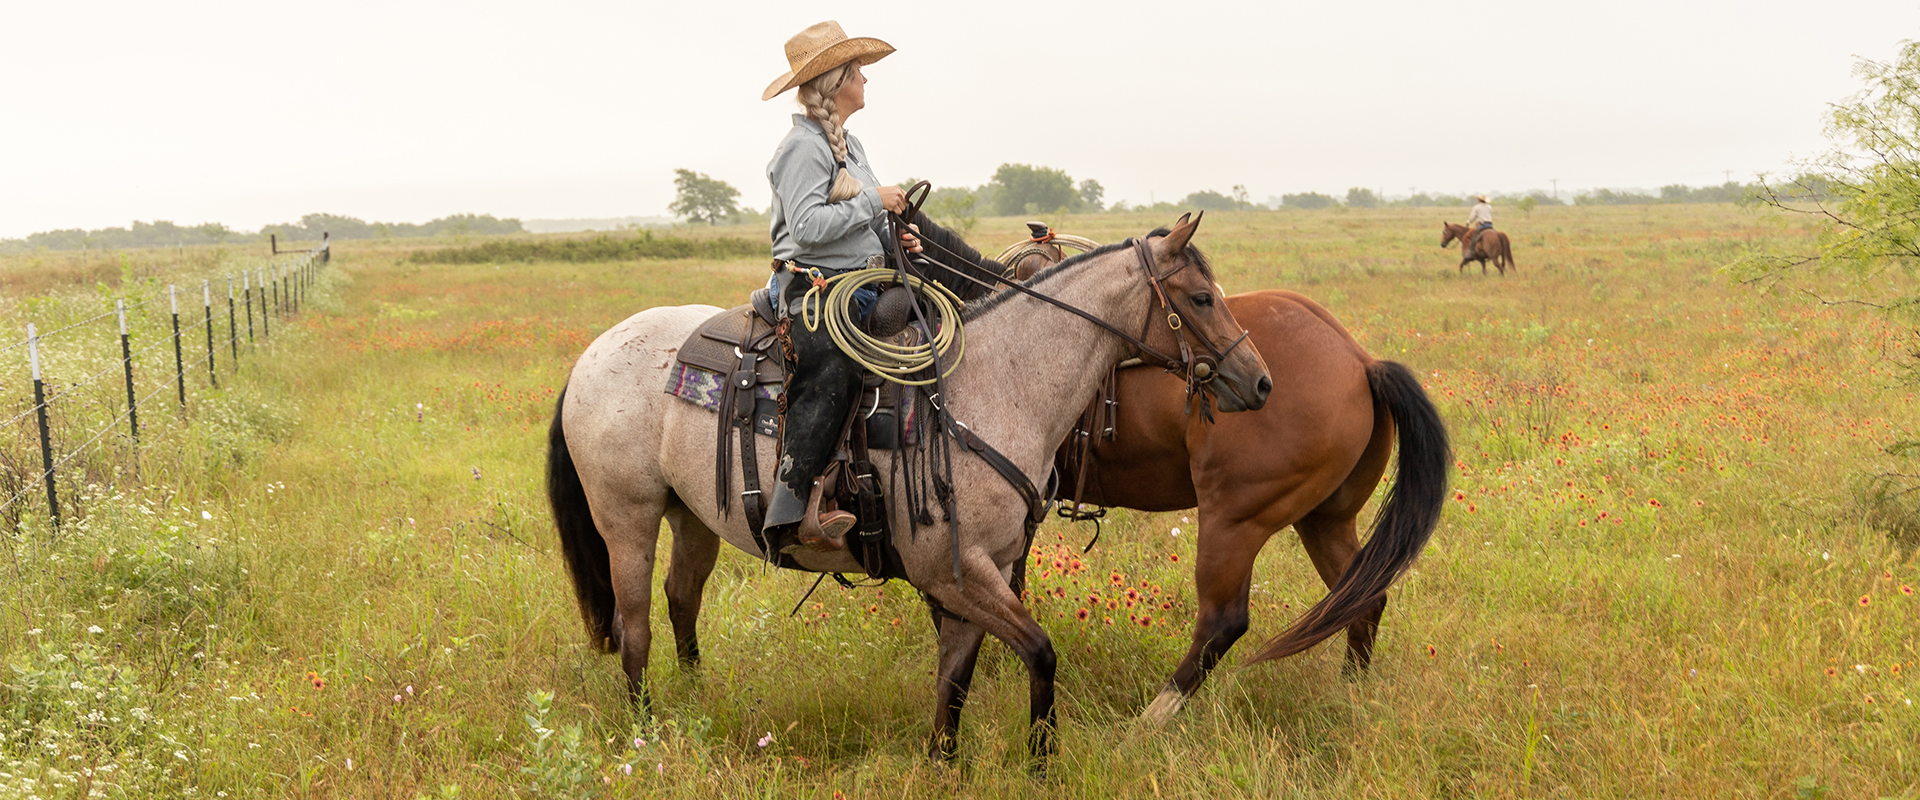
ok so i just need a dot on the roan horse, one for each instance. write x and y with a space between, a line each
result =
623 454
1491 245
1311 459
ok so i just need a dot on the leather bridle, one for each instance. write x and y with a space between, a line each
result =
1198 369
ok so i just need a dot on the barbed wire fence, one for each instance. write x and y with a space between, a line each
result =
92 398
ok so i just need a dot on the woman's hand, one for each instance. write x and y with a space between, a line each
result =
894 198
910 241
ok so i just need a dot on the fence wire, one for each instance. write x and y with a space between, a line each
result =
159 326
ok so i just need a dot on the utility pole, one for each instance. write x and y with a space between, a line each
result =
1556 187
1729 175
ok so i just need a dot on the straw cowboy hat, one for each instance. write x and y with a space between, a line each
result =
820 48
1480 197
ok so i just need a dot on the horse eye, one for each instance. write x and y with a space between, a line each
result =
1203 299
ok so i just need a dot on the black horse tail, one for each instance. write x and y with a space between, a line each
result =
1400 529
580 539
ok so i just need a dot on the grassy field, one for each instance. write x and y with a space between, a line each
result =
1662 573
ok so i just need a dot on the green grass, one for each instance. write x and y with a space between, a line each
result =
366 508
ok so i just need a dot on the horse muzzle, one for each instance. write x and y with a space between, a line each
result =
1241 384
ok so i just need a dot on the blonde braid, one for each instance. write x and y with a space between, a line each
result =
816 96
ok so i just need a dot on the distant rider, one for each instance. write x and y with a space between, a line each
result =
1479 219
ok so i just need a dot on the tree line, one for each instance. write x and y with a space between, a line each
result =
309 228
1018 189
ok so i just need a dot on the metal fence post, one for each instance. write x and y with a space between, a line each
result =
246 296
126 357
276 288
266 325
46 434
179 360
206 299
233 330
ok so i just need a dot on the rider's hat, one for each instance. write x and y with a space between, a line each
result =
820 48
1480 197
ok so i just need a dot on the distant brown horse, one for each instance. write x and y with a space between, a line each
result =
1310 459
1491 245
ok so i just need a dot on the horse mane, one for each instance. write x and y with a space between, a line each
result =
988 303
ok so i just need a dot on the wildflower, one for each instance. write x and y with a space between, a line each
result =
409 690
476 476
95 629
1459 496
766 740
1832 671
206 515
1133 594
1432 651
396 699
1109 621
1471 508
1653 502
1894 670
639 743
1906 590
626 769
1865 599
1081 615
1146 622
1117 579
1173 557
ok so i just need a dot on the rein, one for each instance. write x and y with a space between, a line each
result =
1199 370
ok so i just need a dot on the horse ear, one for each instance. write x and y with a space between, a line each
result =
1182 232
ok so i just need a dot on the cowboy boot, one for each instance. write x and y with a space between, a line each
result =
824 531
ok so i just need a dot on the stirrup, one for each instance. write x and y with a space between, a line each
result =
824 532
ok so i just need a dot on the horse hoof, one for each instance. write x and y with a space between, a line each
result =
1162 709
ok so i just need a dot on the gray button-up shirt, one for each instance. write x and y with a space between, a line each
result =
808 229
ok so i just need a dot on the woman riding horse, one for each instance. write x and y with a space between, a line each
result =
829 216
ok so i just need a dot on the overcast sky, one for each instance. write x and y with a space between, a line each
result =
254 113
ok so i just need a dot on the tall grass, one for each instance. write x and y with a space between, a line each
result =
1657 577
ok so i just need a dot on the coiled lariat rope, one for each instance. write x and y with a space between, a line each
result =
881 357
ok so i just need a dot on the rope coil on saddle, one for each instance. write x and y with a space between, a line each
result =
884 358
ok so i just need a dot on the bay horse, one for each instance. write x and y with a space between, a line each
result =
1310 459
623 454
1491 245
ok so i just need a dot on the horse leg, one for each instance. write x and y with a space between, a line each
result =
695 548
990 604
1331 544
1222 577
633 525
959 652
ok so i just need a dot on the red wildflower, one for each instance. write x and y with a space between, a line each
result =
1865 599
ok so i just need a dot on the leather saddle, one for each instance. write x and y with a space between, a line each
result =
741 345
